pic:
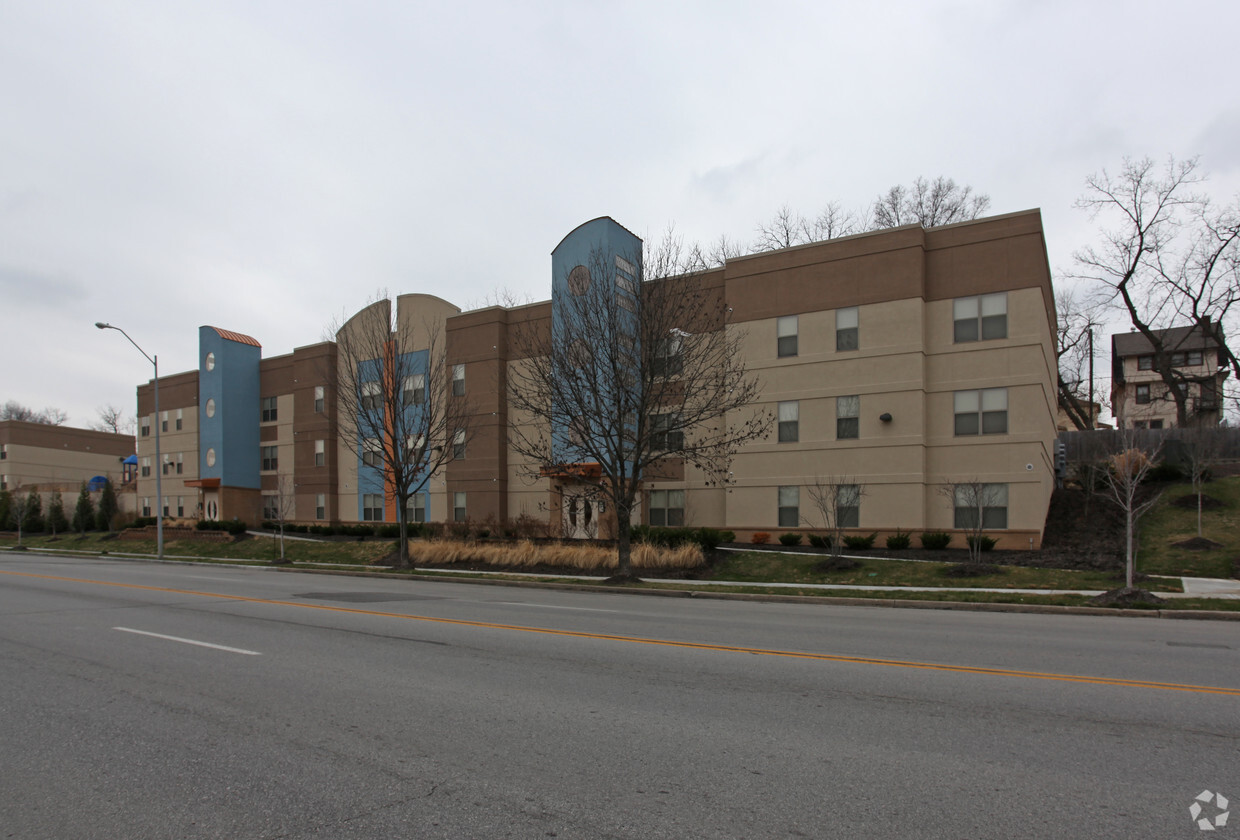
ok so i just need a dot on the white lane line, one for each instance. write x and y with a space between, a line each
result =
551 607
188 641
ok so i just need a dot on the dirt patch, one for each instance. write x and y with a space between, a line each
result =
1126 597
1190 502
1197 544
837 564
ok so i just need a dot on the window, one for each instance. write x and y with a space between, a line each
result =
271 459
990 499
417 508
1156 424
981 412
846 321
789 507
167 465
664 437
372 452
415 389
269 409
4 451
372 507
458 444
1143 394
319 396
180 462
848 506
415 446
667 359
370 395
210 407
458 380
163 421
146 427
210 457
458 507
146 505
981 317
4 482
1145 362
626 302
1190 358
320 453
210 361
165 506
320 506
146 466
180 418
786 335
847 417
789 421
667 508
271 506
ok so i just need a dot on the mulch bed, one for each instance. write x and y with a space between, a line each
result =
1190 502
1197 544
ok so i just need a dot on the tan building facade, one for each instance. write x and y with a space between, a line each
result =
60 458
902 360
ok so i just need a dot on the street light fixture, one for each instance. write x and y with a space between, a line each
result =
159 467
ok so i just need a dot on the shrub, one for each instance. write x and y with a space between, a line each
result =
235 527
760 538
790 539
935 540
203 524
388 532
861 542
986 543
483 533
820 540
899 540
1164 472
727 536
707 539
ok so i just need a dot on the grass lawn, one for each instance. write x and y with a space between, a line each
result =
879 571
1168 524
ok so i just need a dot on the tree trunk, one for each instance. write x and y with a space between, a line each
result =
1128 565
624 518
402 516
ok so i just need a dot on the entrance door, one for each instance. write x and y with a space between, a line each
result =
580 517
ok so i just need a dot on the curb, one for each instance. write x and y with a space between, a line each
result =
827 600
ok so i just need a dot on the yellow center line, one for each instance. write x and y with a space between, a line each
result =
578 634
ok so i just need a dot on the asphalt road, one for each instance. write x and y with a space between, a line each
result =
341 707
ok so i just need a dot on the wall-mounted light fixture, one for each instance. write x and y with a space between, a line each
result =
885 417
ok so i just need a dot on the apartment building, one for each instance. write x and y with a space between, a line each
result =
43 458
902 360
1140 399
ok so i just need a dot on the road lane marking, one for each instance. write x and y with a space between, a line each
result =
188 641
788 654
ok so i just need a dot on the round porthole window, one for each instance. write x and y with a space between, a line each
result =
210 457
211 407
579 280
210 361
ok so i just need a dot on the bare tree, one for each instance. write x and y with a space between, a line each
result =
285 505
13 410
1123 484
627 379
1201 447
396 407
838 502
19 509
975 503
114 420
1076 323
1166 255
927 203
787 227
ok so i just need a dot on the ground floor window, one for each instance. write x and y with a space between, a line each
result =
990 500
667 507
146 505
417 508
320 506
180 506
458 507
789 507
848 506
271 506
372 507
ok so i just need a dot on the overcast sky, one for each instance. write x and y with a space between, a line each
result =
265 167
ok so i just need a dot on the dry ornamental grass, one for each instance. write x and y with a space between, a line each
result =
525 554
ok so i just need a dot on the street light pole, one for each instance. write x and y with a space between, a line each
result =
159 467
